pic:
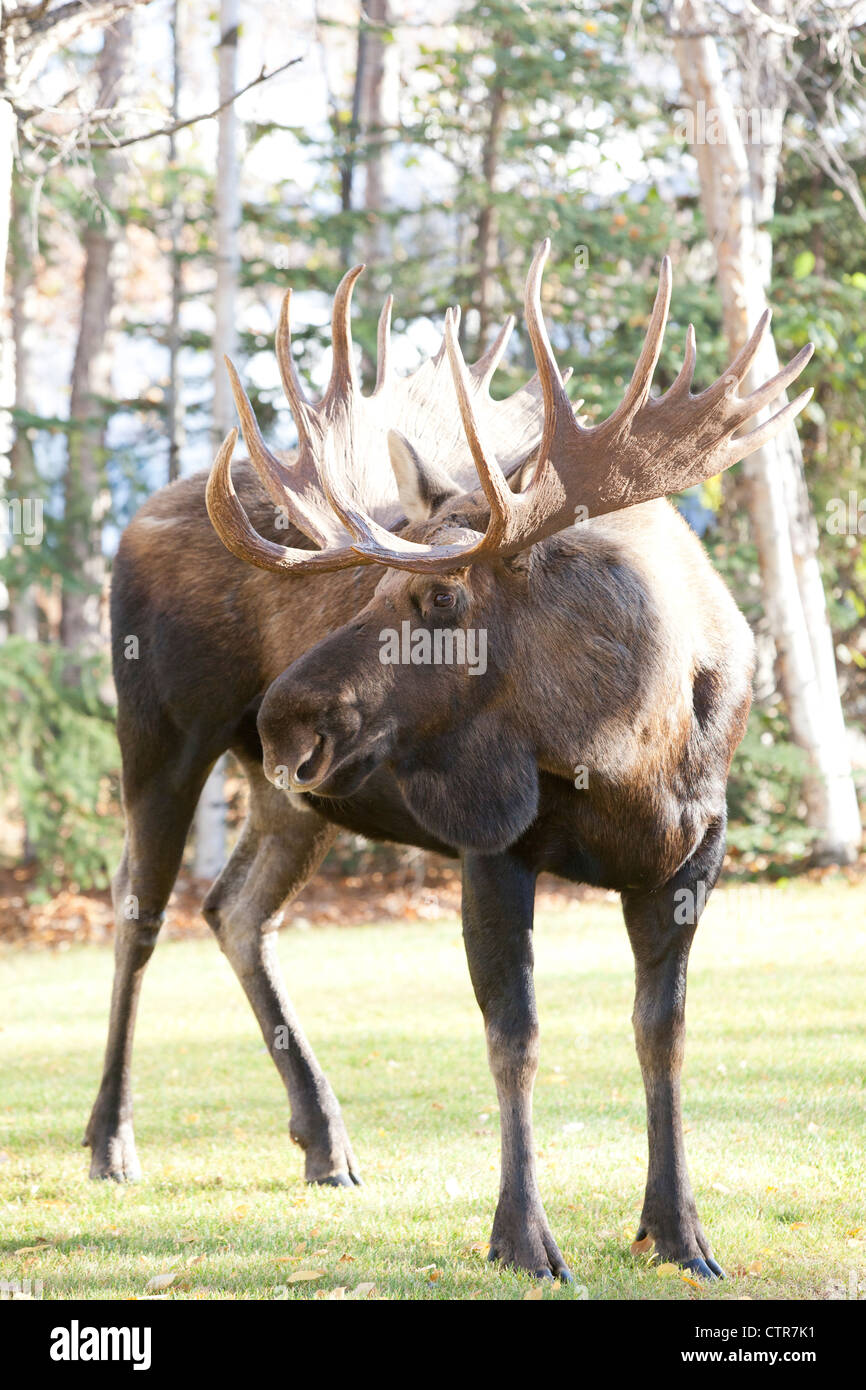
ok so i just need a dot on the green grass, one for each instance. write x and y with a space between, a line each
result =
774 1089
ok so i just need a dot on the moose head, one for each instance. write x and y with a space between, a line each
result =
502 580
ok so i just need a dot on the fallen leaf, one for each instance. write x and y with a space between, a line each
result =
755 1267
363 1291
695 1283
305 1276
667 1269
533 1296
159 1281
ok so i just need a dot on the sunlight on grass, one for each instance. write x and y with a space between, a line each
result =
774 1093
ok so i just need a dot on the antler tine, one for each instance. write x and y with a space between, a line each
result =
772 389
739 448
275 476
641 381
557 406
295 394
683 383
343 381
730 379
487 363
441 351
491 477
383 346
238 534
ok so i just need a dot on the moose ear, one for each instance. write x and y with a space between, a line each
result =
422 487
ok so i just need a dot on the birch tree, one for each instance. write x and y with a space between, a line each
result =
371 78
85 492
738 170
210 823
23 480
30 35
174 408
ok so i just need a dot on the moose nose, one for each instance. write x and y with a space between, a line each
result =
312 762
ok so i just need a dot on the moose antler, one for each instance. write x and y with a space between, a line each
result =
646 449
341 471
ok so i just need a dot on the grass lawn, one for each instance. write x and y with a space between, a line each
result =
774 1100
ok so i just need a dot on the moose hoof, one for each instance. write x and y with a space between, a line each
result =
703 1268
528 1246
678 1248
336 1180
328 1157
113 1156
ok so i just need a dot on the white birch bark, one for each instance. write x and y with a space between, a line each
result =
210 821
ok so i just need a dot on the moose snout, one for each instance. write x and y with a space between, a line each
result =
306 734
296 754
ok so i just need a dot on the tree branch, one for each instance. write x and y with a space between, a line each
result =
174 126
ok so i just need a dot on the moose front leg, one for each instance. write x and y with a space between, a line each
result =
498 899
279 849
661 926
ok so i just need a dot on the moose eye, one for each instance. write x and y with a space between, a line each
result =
444 599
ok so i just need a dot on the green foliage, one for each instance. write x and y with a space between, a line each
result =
764 791
61 761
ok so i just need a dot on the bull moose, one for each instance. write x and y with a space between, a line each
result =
611 645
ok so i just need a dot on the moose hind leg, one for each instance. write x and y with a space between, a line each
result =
661 926
159 808
498 897
280 848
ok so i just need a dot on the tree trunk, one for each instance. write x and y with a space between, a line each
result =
7 351
7 157
737 187
86 492
487 227
7 359
173 403
210 821
371 83
24 481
